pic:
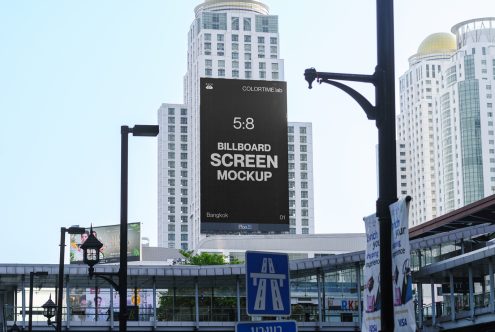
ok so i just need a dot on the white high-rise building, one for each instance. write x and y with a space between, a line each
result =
445 127
227 39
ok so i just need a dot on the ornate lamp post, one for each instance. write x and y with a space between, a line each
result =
384 113
49 309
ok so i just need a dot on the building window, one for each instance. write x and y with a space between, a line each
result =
171 164
208 71
183 129
247 47
305 222
305 231
235 38
171 137
247 56
221 72
171 218
235 55
247 65
290 129
171 227
273 40
171 155
183 111
171 237
207 36
261 40
247 24
235 47
183 120
183 237
275 75
171 111
275 66
247 74
221 63
261 48
183 164
303 148
183 138
171 120
171 128
273 49
247 38
302 130
235 73
234 23
183 156
220 37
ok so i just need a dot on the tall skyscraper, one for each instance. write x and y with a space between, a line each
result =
445 128
227 39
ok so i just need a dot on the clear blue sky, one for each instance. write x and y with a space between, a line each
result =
73 72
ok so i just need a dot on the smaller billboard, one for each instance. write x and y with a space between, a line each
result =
110 237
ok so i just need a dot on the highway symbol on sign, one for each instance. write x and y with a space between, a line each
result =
267 284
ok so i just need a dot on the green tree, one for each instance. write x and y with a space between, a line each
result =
205 258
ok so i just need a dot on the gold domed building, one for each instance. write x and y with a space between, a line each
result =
441 43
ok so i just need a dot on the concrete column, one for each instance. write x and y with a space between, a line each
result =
420 305
238 298
318 285
471 291
433 304
360 296
196 300
23 299
324 297
452 299
67 302
111 309
492 292
154 303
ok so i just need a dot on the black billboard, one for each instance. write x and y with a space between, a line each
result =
244 166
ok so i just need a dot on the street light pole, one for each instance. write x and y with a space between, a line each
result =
60 293
137 130
384 114
123 229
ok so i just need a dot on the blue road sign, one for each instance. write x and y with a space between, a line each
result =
265 326
267 284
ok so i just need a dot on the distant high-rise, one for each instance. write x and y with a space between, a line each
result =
445 129
236 40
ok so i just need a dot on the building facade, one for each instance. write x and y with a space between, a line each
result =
446 121
235 40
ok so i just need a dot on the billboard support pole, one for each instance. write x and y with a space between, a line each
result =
384 113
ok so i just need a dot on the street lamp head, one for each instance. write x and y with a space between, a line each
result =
49 309
91 249
310 75
145 130
76 230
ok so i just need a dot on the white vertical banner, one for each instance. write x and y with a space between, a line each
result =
404 318
371 273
